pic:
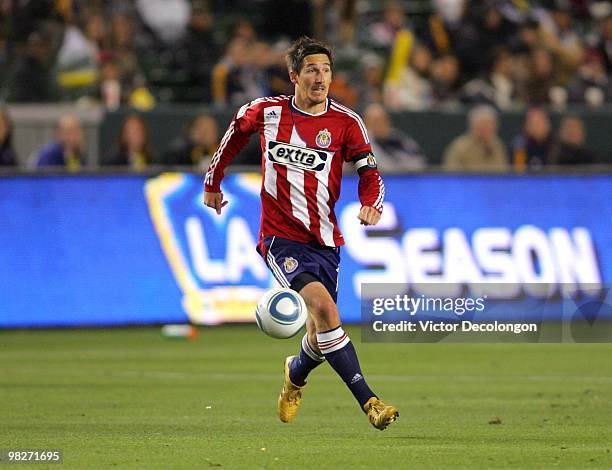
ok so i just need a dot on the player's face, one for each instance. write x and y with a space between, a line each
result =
312 83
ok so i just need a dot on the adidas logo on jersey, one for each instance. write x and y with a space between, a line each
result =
271 115
298 157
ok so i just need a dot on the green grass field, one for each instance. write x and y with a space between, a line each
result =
130 398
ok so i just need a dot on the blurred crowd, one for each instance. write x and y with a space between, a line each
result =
478 149
406 55
390 55
132 147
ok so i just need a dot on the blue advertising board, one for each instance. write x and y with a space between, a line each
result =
111 250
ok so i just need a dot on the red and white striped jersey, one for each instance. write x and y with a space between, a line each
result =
302 158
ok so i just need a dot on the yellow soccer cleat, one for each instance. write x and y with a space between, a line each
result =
380 415
290 398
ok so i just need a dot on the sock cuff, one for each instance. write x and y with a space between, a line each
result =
333 340
310 352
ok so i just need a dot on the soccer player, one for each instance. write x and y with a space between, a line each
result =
305 139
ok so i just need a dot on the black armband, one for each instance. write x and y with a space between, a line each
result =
364 161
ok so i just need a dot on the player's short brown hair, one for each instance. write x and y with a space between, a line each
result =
303 47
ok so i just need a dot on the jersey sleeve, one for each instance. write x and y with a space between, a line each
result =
243 124
357 140
371 188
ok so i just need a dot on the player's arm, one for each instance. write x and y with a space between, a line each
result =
243 124
371 188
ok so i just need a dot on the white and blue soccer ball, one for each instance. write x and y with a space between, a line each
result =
281 313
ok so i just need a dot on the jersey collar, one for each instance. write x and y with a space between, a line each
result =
295 108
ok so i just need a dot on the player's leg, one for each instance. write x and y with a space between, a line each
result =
287 263
313 272
308 358
333 342
298 367
339 351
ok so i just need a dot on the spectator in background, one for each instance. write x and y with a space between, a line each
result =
95 29
133 147
449 31
412 90
197 145
370 83
569 148
558 37
526 40
111 91
124 64
445 80
68 149
77 60
276 78
439 32
67 10
394 150
4 53
166 20
591 84
479 149
603 42
244 29
232 77
496 87
541 80
250 77
342 90
7 153
25 18
267 71
202 53
382 33
123 53
492 31
337 22
31 80
531 148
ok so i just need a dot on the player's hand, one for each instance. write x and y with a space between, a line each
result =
368 215
215 200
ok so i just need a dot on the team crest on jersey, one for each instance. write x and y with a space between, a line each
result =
290 264
323 139
371 161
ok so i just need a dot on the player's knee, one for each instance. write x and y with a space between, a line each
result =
324 311
317 306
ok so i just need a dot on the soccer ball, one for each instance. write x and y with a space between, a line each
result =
281 313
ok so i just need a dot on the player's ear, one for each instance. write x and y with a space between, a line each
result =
292 76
